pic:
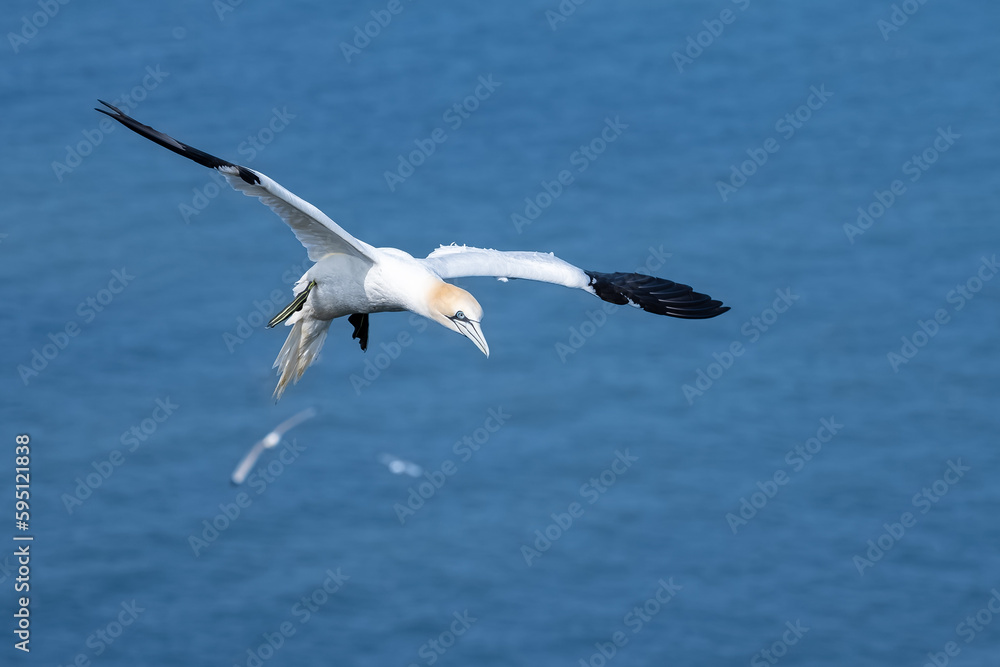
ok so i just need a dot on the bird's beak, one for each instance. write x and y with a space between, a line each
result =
473 332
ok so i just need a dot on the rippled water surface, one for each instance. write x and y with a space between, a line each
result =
812 474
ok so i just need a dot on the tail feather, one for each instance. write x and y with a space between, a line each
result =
300 350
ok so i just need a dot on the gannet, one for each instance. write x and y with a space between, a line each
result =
352 278
269 441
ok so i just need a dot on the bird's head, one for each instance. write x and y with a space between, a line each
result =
456 309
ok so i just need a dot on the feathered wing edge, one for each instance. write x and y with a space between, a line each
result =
178 147
315 230
654 295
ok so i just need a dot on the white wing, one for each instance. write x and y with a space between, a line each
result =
654 295
456 261
243 469
315 230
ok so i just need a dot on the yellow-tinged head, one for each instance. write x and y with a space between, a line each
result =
456 309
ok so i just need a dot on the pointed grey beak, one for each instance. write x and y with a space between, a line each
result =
473 332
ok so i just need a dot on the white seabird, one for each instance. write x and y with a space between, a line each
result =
398 466
350 277
269 441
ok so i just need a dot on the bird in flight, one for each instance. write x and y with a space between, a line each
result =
269 441
350 277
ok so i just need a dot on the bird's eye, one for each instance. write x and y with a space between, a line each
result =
459 315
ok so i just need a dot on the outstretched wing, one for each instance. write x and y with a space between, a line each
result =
319 234
459 261
654 295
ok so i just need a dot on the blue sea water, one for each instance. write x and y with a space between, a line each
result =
809 479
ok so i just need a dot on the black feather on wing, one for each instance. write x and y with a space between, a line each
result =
655 295
201 157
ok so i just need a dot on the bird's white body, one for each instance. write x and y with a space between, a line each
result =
352 278
345 285
397 281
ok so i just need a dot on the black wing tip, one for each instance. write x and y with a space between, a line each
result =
168 142
655 295
118 114
109 106
248 175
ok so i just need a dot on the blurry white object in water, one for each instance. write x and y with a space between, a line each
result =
267 442
398 466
